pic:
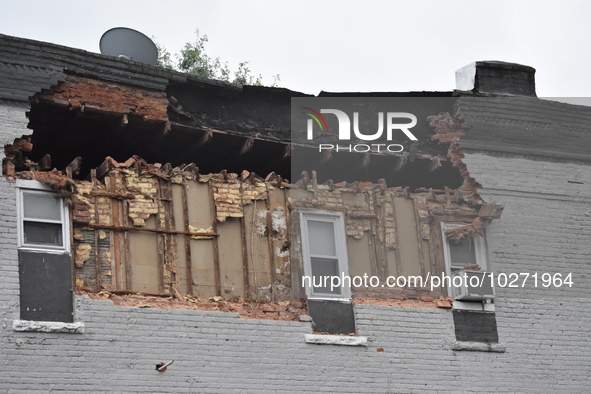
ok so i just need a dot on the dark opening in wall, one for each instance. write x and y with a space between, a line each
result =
471 326
45 286
332 317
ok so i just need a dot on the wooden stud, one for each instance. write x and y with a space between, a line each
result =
397 239
422 267
216 250
373 254
110 184
158 231
171 247
189 261
270 242
296 259
72 246
74 167
106 166
97 251
380 212
127 246
160 244
245 272
315 184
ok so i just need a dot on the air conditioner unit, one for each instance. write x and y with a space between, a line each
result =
475 286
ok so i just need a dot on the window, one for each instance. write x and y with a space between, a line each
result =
42 218
45 264
468 255
324 249
469 251
475 322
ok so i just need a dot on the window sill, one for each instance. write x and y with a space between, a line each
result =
33 249
473 306
48 326
342 340
478 346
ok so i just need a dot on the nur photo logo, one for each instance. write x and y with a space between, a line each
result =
347 130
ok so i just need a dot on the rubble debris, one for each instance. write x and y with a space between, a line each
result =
162 367
124 198
444 304
17 165
448 130
247 309
63 185
474 229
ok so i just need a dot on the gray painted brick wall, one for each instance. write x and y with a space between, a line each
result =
547 351
14 122
545 228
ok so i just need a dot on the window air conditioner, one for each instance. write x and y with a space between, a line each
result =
475 286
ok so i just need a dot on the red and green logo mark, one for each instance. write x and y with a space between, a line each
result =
317 117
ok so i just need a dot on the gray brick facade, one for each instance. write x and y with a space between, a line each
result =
545 228
544 330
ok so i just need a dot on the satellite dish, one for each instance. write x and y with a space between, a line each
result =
128 44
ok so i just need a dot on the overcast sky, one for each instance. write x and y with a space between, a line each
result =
342 45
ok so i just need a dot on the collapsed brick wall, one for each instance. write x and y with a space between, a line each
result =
179 209
254 258
448 130
391 231
79 93
249 246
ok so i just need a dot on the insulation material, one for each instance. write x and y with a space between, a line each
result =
150 228
279 244
230 196
143 205
257 251
140 231
228 200
392 231
82 254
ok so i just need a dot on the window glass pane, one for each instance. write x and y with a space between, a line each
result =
322 268
42 206
462 253
42 233
322 238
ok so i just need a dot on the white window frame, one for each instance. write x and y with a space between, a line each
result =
28 186
341 250
479 247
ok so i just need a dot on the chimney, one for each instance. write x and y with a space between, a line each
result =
492 77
